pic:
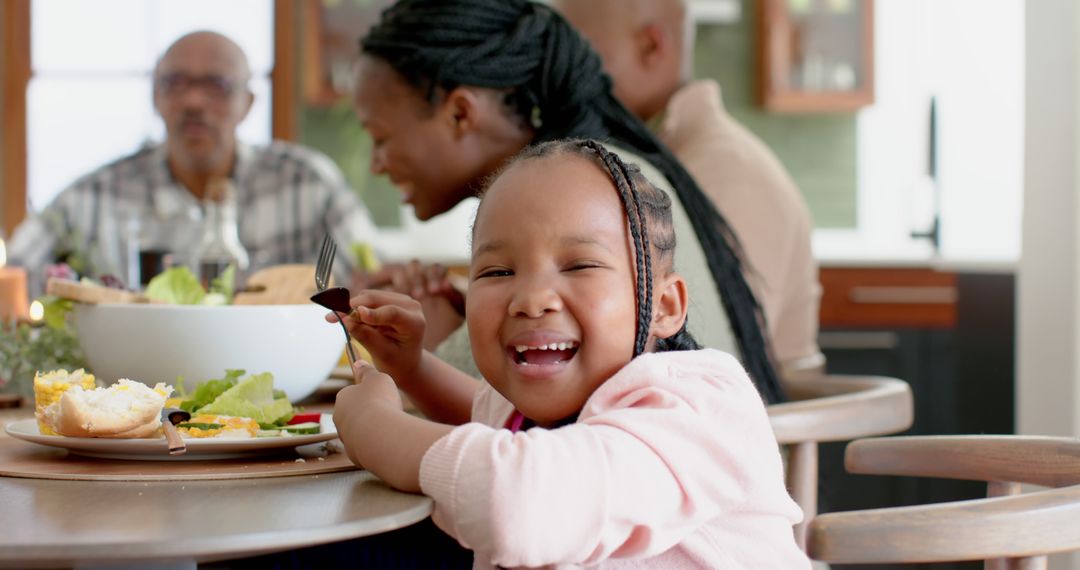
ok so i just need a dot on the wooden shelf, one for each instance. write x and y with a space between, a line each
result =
815 56
331 35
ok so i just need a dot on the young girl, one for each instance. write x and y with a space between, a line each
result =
602 434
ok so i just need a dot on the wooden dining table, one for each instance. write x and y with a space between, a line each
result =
139 518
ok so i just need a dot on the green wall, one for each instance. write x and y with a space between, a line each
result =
817 149
335 131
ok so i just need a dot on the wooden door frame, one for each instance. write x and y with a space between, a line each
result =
285 77
16 70
15 64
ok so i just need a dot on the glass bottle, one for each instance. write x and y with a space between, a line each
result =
219 247
166 232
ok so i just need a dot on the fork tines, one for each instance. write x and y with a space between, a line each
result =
326 262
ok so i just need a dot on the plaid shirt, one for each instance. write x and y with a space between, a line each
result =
287 197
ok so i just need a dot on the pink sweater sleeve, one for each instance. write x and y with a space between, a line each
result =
670 443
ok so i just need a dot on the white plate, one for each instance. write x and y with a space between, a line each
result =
157 449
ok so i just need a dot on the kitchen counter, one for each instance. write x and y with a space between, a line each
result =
938 263
435 241
846 249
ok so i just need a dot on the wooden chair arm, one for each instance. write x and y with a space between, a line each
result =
1003 527
841 408
1037 460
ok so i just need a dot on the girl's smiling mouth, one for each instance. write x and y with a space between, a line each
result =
552 353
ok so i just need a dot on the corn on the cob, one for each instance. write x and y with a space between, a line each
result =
49 386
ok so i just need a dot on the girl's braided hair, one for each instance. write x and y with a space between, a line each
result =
555 84
648 211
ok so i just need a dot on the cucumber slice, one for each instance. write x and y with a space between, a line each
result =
198 425
268 433
302 429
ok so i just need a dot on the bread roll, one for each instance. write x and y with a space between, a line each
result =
126 409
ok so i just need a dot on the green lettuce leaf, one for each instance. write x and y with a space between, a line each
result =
208 391
176 285
56 310
225 284
365 257
252 397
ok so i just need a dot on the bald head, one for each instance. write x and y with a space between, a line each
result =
201 92
210 49
646 46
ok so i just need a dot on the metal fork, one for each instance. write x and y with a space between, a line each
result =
326 262
335 298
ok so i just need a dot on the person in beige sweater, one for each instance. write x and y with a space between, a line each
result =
646 46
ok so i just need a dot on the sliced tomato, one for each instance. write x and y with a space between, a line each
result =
304 418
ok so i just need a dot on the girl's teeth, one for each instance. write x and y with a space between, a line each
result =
551 346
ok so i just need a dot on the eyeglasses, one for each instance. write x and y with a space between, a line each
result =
216 86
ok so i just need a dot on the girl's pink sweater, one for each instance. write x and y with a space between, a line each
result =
671 464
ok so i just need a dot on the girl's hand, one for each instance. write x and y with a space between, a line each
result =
391 327
372 393
378 434
371 386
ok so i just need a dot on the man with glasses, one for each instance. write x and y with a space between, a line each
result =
148 205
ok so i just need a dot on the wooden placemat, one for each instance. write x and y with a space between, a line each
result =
30 460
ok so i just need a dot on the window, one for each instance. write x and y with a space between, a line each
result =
89 101
968 57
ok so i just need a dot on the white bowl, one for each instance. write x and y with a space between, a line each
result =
157 343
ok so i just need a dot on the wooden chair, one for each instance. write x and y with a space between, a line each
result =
833 408
1007 529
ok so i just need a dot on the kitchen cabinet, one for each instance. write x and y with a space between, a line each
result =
815 55
950 336
331 44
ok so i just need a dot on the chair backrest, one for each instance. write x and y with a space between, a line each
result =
1007 529
833 408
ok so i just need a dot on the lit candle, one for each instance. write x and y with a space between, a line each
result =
13 300
37 312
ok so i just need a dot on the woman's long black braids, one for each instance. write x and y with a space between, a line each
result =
556 84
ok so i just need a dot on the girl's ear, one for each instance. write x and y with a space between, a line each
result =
670 301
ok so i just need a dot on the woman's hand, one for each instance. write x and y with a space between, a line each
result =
414 279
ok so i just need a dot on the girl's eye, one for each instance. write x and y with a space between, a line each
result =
494 273
582 265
